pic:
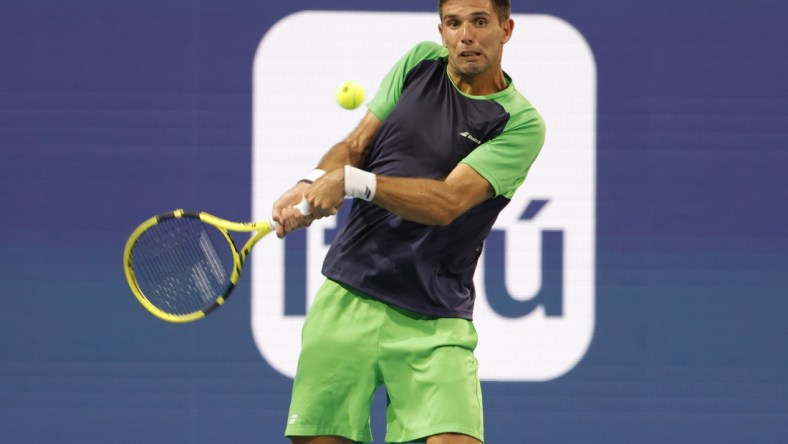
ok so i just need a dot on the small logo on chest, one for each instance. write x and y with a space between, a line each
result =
468 136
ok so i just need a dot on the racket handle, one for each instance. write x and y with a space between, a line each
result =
302 206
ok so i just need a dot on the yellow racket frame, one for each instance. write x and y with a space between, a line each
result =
261 228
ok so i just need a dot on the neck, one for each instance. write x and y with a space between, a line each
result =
479 85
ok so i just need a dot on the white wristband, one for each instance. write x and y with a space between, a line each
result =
359 183
315 174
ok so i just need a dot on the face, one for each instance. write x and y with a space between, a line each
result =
471 31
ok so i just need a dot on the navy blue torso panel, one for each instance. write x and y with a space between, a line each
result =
426 269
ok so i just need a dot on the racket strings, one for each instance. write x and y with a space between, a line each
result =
183 265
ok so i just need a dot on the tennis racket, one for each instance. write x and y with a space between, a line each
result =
182 265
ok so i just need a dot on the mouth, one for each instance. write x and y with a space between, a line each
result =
470 54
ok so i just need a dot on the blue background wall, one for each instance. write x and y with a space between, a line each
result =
111 111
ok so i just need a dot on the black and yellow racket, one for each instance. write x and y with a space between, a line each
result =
184 264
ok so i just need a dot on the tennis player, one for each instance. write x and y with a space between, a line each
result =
444 145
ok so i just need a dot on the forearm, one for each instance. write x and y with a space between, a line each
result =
341 154
425 201
428 201
352 149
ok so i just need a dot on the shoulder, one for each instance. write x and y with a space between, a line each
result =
522 114
427 50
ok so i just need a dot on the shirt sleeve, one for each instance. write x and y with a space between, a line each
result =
505 160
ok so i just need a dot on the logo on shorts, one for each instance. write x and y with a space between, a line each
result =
535 282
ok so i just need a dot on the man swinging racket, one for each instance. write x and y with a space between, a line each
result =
444 145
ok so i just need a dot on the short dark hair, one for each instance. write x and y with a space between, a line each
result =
503 8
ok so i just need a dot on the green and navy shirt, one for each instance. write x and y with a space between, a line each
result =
429 126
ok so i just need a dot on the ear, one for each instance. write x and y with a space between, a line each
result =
440 31
508 28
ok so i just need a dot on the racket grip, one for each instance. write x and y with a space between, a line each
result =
302 206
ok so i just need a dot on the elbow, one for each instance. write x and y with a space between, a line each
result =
450 207
436 216
441 220
446 214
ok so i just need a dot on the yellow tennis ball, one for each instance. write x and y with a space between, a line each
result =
350 95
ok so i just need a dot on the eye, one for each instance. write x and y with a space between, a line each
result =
481 22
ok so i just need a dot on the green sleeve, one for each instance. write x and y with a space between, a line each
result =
391 87
505 160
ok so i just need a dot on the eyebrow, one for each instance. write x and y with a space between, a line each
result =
477 14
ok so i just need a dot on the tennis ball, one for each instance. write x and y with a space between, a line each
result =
350 95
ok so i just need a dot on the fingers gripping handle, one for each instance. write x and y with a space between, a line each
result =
302 206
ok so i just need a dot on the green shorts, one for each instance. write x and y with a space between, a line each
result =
352 344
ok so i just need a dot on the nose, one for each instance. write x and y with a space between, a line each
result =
467 33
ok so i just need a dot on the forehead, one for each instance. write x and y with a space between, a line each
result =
464 7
